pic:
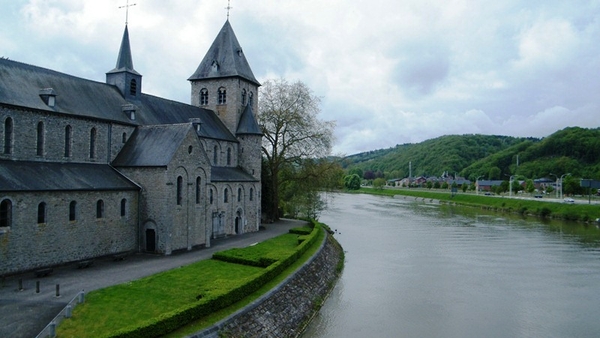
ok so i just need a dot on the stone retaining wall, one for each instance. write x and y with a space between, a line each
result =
285 310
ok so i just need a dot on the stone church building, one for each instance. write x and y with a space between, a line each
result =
91 169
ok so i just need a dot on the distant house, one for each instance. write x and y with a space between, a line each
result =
486 185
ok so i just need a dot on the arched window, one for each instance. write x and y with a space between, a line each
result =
250 98
133 87
239 194
210 197
8 135
123 207
198 186
251 193
226 195
93 143
68 140
222 95
5 213
243 97
41 216
203 97
100 209
228 156
40 139
215 156
72 211
179 189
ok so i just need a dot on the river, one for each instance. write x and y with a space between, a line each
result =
416 269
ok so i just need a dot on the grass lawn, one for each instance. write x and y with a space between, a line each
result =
133 303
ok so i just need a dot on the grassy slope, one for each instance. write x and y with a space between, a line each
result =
541 208
131 303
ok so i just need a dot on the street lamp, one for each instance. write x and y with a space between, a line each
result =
561 184
556 184
510 186
477 185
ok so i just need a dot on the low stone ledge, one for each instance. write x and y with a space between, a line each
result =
287 308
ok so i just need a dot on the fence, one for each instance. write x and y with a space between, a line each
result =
50 329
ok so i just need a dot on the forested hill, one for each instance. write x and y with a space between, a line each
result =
571 150
451 153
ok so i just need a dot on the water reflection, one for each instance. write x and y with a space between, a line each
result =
417 269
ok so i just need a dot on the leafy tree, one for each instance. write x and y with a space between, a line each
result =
445 185
429 185
369 175
436 185
529 186
352 182
378 183
494 173
464 187
288 116
356 171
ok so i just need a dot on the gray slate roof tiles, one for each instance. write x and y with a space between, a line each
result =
225 58
46 176
152 146
230 174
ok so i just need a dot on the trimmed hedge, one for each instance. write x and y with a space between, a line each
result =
173 320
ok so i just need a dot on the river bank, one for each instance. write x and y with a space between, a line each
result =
287 309
543 209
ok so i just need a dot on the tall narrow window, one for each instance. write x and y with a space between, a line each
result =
228 156
179 189
251 193
239 194
133 87
123 207
124 138
222 95
243 97
72 211
100 209
41 216
198 186
250 98
203 97
93 143
68 140
215 156
40 139
226 196
210 197
8 135
5 213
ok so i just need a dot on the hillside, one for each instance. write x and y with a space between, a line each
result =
451 153
571 150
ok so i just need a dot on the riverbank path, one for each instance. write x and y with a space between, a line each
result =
25 313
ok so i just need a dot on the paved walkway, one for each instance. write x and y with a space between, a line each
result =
25 313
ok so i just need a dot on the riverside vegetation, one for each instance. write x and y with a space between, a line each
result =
193 296
538 208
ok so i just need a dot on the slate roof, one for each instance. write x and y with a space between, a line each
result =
248 124
152 146
230 174
125 60
47 176
229 57
21 85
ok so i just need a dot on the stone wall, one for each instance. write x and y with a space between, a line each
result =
285 310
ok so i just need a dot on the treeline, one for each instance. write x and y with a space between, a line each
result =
573 150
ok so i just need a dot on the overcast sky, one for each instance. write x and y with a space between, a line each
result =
388 71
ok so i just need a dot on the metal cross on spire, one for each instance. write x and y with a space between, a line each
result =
228 8
127 11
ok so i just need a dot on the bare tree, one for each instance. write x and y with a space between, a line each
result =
288 116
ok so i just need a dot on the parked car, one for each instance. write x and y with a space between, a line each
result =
569 200
538 196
